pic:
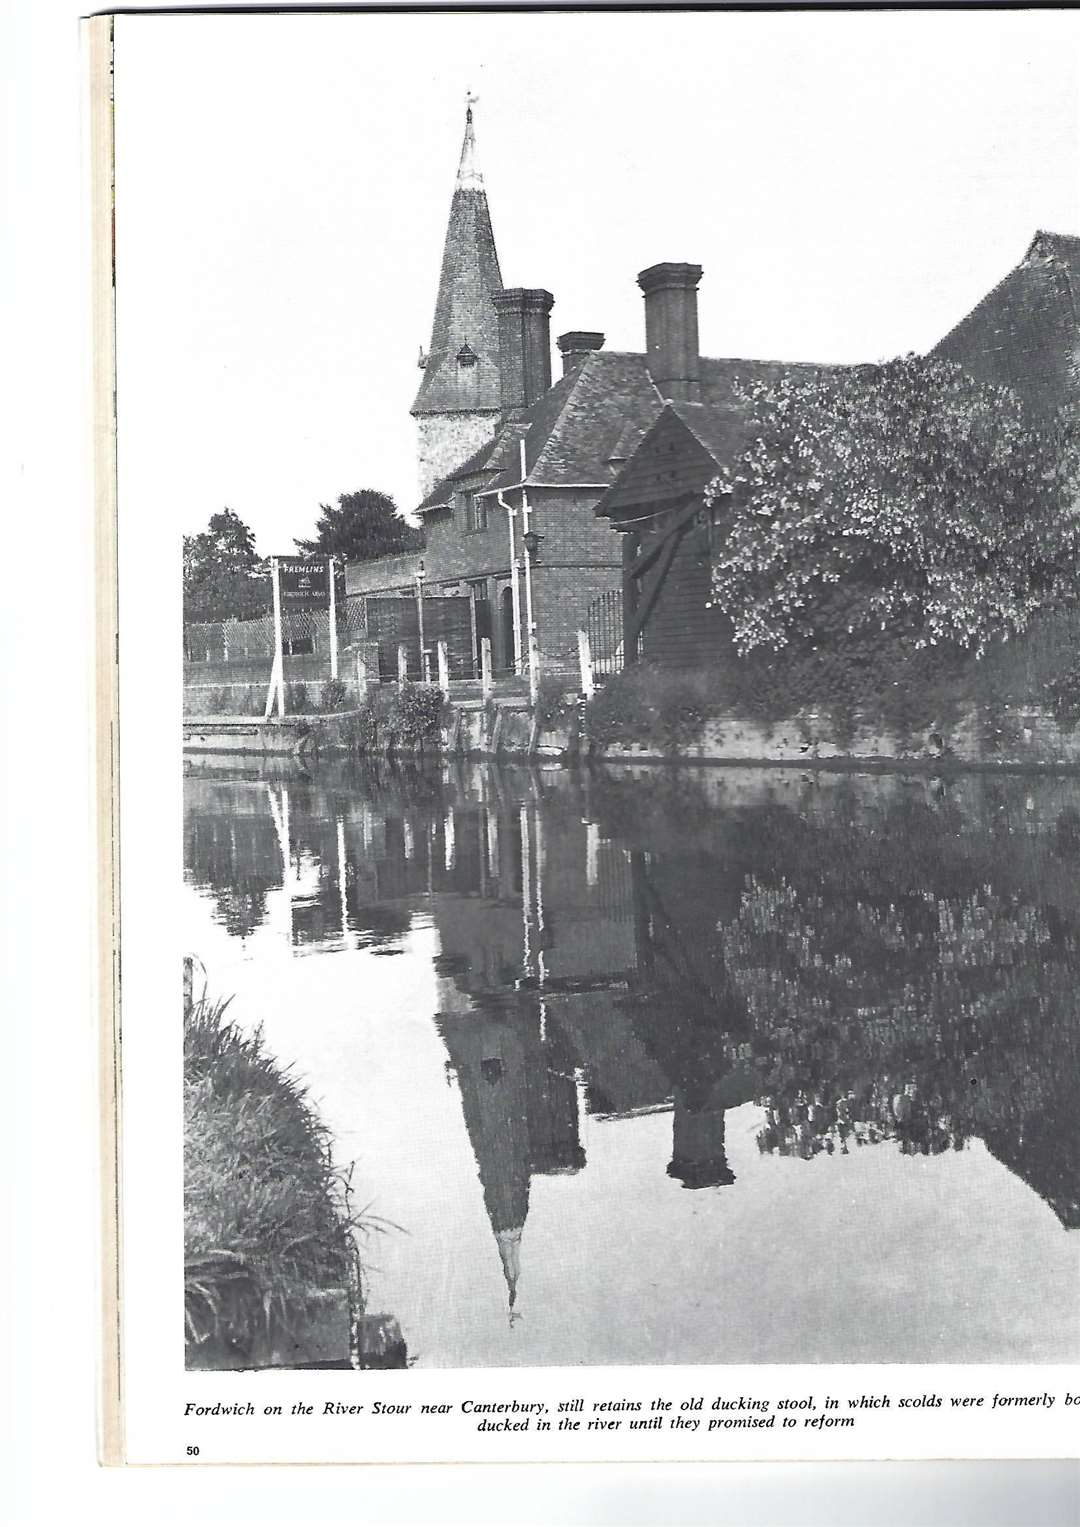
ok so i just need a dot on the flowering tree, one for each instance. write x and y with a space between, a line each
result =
904 499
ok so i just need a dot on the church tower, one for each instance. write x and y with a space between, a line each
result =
458 405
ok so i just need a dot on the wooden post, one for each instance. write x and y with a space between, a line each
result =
361 677
472 626
629 598
277 673
485 667
333 619
402 665
424 660
444 669
585 659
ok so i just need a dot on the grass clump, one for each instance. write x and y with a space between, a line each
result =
268 1228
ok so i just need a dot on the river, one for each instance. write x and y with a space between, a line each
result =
674 1065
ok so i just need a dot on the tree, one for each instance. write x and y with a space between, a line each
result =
904 504
361 526
223 577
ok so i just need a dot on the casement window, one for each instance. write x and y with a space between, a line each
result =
473 511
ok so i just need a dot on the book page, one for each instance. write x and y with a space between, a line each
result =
536 1042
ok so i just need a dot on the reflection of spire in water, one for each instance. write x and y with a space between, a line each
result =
488 1057
509 1242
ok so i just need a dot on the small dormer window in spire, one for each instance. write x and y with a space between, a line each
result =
421 359
467 356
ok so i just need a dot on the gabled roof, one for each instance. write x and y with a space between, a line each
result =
665 464
465 318
605 402
1024 334
585 427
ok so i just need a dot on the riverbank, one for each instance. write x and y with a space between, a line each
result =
567 729
271 1273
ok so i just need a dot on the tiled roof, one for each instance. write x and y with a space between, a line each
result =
1024 333
585 427
719 427
464 314
605 402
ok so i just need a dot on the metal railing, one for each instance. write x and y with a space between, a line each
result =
604 624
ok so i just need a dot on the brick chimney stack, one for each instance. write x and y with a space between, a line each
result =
576 345
524 345
671 329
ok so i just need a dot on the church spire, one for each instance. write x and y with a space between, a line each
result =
469 177
458 403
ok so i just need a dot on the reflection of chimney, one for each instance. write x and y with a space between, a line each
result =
524 345
576 345
552 1104
698 1158
671 329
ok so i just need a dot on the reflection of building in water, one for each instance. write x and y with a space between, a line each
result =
698 1159
519 1100
1045 1154
561 982
685 1011
621 1077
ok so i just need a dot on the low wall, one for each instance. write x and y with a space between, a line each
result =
1008 738
1020 738
1016 738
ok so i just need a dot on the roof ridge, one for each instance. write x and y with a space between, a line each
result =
1020 264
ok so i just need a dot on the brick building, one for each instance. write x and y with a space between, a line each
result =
1024 335
501 449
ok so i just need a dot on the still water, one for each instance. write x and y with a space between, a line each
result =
674 1066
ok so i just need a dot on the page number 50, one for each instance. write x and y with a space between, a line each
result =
192 1452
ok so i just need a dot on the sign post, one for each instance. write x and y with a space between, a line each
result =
277 677
299 585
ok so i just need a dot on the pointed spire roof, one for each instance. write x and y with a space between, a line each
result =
469 177
465 318
509 1242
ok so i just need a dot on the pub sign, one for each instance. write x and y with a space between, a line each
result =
304 585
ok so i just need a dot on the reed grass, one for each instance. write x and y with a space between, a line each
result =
269 1229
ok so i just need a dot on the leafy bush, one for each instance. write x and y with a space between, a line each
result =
334 695
410 717
360 730
552 705
1063 693
650 705
416 714
297 700
904 499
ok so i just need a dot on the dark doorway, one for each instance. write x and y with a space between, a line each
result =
507 610
482 606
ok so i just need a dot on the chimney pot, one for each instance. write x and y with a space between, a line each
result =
576 345
671 328
524 345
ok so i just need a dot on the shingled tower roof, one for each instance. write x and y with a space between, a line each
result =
1025 333
461 374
